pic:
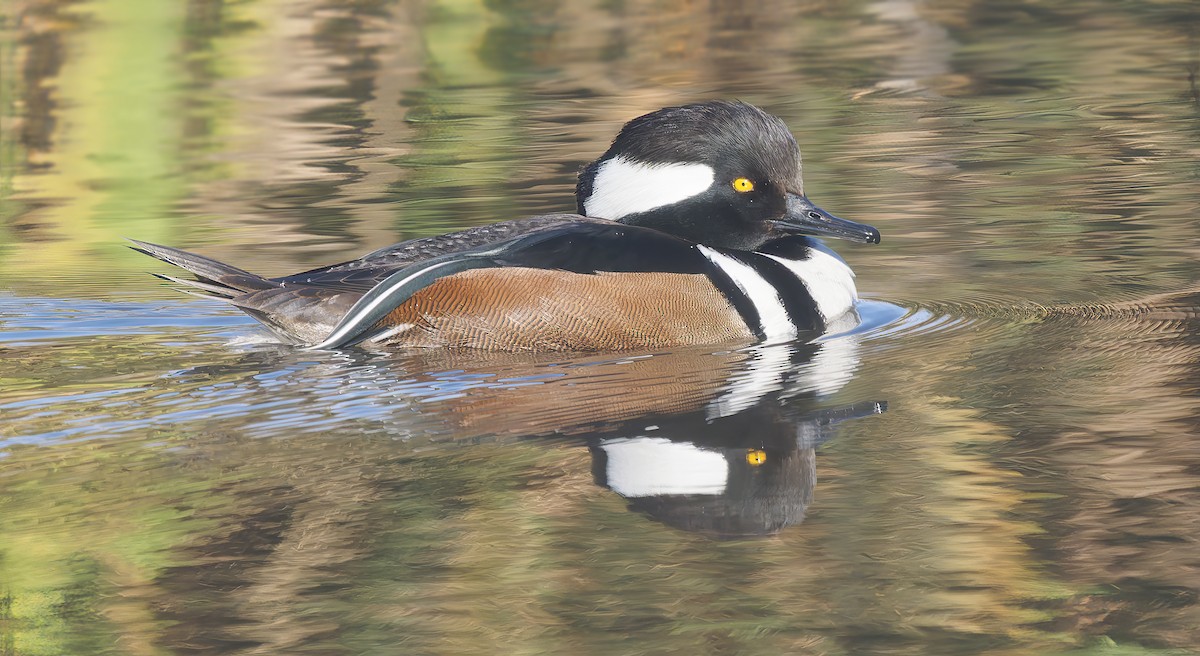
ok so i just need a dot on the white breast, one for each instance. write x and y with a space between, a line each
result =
773 317
828 280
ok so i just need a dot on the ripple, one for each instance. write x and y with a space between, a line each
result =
884 320
993 316
29 320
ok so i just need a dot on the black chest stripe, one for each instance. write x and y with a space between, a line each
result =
740 301
797 302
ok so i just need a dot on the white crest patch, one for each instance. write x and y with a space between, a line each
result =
623 187
776 325
828 279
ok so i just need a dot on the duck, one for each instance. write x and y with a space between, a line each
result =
692 228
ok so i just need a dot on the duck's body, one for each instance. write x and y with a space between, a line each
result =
683 257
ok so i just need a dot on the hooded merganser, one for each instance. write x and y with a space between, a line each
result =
691 231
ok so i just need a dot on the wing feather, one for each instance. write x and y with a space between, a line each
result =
577 247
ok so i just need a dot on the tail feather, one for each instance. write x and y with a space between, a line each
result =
213 291
297 313
302 315
208 270
286 333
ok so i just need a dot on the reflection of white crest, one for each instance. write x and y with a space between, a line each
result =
651 466
770 368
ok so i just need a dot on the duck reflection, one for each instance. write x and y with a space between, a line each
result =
730 478
720 443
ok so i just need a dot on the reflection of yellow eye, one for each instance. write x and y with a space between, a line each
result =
742 185
756 457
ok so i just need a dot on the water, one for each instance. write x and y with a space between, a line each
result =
1002 459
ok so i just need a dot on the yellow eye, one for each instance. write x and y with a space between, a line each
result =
754 456
742 185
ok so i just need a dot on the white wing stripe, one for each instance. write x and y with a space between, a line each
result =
351 322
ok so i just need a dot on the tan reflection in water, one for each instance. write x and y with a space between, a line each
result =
1057 164
1130 466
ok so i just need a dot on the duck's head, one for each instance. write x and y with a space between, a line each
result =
718 173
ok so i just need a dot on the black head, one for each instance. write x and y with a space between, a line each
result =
718 173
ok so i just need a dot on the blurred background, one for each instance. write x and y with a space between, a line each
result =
169 483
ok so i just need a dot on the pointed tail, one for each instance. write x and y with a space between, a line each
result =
215 279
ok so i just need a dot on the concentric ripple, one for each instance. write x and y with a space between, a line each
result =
882 320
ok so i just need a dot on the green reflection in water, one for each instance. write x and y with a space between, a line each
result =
1031 492
111 165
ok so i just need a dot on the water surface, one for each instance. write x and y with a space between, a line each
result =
1001 459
